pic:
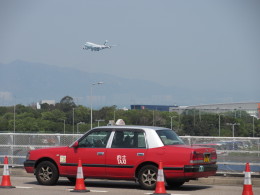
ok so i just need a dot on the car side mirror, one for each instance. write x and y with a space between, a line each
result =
75 145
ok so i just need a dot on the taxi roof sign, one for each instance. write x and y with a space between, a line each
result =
120 122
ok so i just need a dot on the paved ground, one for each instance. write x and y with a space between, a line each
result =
237 180
29 186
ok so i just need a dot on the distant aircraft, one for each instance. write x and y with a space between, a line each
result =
96 47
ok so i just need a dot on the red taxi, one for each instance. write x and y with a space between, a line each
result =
124 152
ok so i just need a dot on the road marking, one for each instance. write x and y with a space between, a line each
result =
24 187
97 191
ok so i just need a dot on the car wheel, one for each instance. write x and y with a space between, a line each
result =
174 184
47 173
147 177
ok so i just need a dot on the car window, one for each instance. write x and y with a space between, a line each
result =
128 139
96 139
169 137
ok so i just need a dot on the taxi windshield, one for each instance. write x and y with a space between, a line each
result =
169 137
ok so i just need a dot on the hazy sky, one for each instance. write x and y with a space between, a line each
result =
199 44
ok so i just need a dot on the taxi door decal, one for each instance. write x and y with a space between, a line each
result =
62 159
121 159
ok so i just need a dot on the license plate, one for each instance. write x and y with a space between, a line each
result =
207 158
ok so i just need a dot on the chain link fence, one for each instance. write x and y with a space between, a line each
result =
233 153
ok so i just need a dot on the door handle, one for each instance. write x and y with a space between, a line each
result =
140 154
100 153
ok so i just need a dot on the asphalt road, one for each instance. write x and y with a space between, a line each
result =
29 186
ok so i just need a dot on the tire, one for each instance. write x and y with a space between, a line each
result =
174 184
47 173
147 177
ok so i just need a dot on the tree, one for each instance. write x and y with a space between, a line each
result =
66 104
82 114
55 115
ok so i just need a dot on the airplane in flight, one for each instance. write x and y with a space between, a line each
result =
97 47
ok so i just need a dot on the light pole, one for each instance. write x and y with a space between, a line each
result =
219 124
233 132
91 115
14 118
171 120
253 126
99 121
233 127
78 126
64 126
73 115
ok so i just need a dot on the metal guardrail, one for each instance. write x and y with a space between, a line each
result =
233 152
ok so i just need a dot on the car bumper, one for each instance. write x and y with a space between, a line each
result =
29 166
200 168
193 168
190 171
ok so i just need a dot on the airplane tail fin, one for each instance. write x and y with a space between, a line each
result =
105 42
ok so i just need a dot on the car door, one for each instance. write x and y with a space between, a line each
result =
92 152
127 150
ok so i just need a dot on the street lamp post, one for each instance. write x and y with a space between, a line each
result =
171 120
14 118
253 126
73 117
64 126
219 124
91 114
233 127
78 126
99 121
233 132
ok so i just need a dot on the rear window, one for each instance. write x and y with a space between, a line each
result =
169 137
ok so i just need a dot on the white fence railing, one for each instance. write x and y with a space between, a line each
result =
233 153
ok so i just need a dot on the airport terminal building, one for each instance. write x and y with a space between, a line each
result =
252 108
151 107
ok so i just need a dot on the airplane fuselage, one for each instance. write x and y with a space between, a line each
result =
95 47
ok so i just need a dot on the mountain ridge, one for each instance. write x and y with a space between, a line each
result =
27 82
36 81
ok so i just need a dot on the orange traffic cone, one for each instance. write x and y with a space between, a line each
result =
160 185
247 189
80 185
6 182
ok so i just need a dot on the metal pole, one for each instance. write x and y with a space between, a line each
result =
179 121
153 117
171 123
78 126
64 126
114 115
233 130
253 126
219 125
14 118
73 110
91 114
99 121
91 107
171 120
233 127
194 117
